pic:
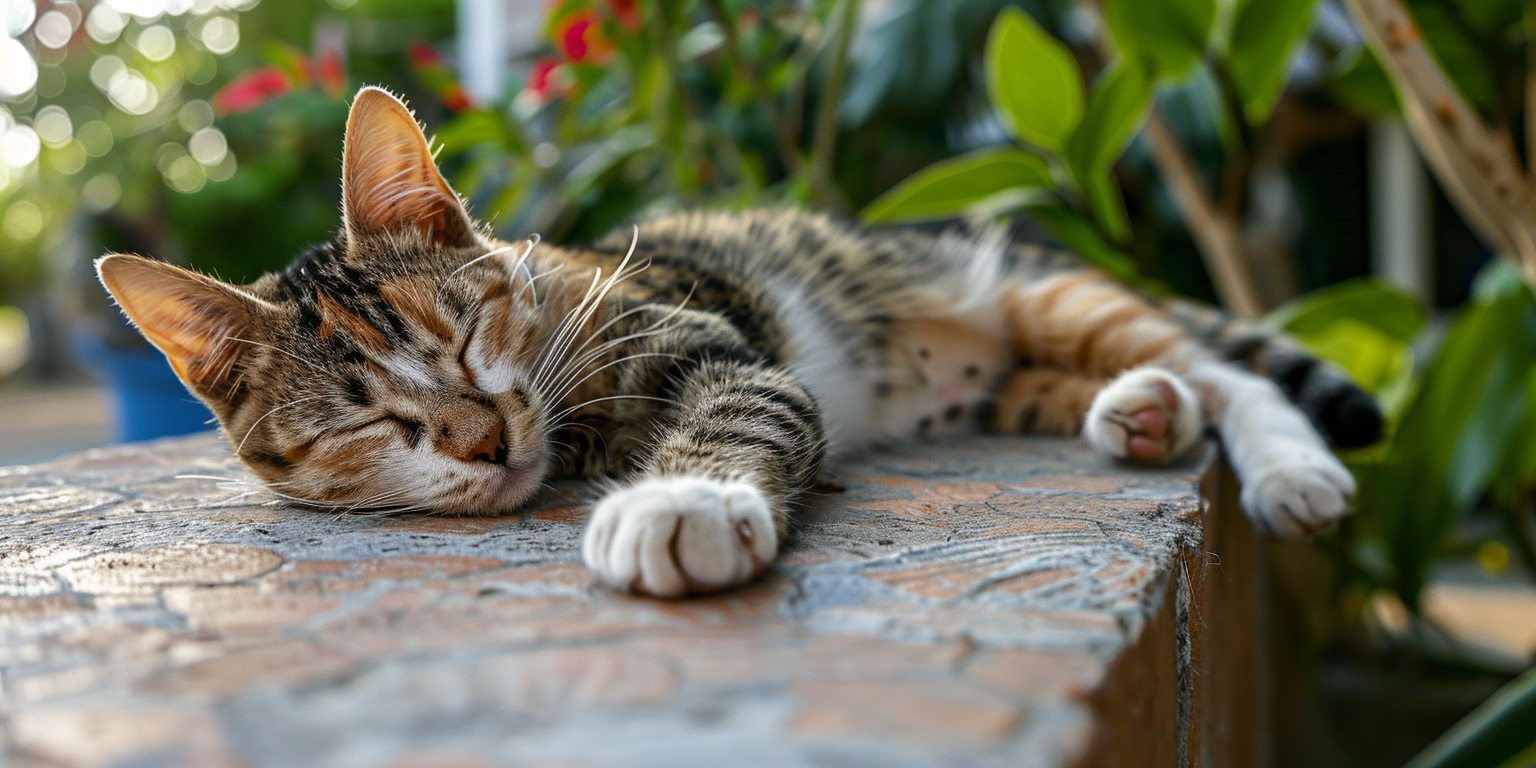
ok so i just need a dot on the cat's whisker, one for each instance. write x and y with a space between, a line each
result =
591 303
575 361
529 285
254 424
443 285
581 405
520 269
567 391
312 364
564 328
573 364
577 367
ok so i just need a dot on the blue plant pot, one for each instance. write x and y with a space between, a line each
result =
148 399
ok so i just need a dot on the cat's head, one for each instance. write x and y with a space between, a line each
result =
396 368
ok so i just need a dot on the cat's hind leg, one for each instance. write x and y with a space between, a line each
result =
1147 414
1082 321
1043 400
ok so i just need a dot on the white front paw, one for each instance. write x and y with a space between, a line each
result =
680 535
1299 494
1147 415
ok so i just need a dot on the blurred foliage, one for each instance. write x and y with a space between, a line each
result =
1500 733
639 107
193 130
1463 426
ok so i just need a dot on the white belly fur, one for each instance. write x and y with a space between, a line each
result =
942 369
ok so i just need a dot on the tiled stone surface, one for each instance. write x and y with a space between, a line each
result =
957 604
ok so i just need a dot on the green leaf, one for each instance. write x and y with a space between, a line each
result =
1363 85
1264 35
1455 434
1078 235
1036 86
1375 360
948 187
1171 35
1498 733
1363 300
478 128
1108 204
1116 108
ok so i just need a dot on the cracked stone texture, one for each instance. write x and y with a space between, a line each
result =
958 603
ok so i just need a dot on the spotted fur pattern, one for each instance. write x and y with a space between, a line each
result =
706 362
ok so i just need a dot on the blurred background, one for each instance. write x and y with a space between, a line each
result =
1248 153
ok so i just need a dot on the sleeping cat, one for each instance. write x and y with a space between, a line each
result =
710 361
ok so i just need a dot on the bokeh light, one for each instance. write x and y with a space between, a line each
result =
54 29
18 16
96 137
101 192
157 43
53 126
18 72
131 92
104 24
220 34
208 146
68 159
19 146
23 220
195 115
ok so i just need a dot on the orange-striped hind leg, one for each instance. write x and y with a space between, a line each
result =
1043 401
1147 415
1082 321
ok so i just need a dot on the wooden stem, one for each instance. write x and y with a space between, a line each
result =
1477 168
1214 231
824 136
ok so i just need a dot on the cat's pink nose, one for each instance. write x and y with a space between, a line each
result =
470 433
490 448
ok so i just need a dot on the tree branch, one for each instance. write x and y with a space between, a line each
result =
1214 232
1477 169
749 75
824 137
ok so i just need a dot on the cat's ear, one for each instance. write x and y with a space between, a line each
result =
388 179
202 325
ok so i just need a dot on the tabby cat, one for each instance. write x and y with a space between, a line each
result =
709 360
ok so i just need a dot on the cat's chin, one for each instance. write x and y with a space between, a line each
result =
505 489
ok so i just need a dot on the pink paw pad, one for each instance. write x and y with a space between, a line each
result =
1149 435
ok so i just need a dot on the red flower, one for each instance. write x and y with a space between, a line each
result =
541 79
251 90
581 38
454 99
437 77
333 76
574 42
424 56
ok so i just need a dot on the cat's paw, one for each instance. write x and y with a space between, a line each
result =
1147 415
1298 492
676 536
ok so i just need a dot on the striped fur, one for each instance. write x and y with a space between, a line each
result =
710 361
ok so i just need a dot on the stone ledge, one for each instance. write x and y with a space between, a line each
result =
993 601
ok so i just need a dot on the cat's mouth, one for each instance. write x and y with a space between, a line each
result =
507 487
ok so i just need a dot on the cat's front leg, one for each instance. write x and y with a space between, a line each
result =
710 505
1292 484
672 536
